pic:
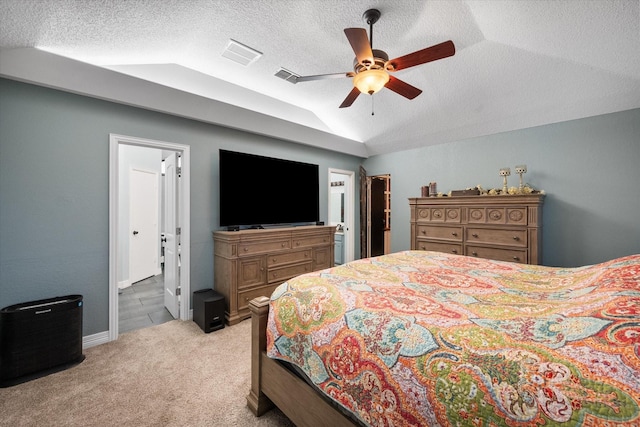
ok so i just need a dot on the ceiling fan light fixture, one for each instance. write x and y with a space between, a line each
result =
370 81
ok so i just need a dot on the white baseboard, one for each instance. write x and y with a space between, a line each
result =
124 284
95 339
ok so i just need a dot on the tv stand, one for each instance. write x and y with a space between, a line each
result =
253 262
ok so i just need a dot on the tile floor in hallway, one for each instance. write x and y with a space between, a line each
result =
142 305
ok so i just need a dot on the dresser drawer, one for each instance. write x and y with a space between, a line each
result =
288 257
301 242
439 214
512 255
255 247
283 273
451 248
247 295
497 236
498 215
440 233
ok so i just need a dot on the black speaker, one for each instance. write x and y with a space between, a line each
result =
40 337
208 310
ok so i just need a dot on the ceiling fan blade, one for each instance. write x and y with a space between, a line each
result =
402 88
360 43
433 53
350 98
324 76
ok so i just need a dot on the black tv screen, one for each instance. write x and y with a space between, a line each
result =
257 190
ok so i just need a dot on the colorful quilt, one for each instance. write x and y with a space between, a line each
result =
422 338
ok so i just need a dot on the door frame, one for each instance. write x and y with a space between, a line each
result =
349 197
115 141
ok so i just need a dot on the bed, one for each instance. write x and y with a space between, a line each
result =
419 338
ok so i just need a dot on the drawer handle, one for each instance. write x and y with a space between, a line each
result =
474 253
455 251
282 244
454 233
516 238
516 258
275 259
475 234
246 249
297 243
424 232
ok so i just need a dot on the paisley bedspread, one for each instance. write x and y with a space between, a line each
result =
421 338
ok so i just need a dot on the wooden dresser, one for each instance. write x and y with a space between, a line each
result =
506 228
252 263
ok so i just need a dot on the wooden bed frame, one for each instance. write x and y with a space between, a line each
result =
274 385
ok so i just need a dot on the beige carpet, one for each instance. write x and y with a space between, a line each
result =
172 374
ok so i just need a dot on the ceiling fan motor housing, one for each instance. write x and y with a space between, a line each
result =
380 58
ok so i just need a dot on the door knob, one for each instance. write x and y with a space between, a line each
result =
135 232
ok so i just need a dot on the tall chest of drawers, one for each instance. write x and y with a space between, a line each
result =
505 228
252 263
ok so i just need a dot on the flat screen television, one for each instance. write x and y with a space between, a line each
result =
257 191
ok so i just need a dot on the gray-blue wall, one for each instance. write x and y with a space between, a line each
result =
54 194
589 168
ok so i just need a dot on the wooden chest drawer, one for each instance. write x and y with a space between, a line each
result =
512 255
283 273
247 295
497 236
301 242
288 257
498 215
439 214
440 233
256 247
451 248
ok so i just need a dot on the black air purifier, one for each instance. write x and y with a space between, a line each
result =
40 337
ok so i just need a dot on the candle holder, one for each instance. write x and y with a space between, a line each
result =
504 173
521 169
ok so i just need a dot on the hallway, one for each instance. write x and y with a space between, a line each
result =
142 305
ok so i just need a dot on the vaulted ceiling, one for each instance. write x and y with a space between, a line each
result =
518 63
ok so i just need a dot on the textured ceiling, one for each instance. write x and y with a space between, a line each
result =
518 63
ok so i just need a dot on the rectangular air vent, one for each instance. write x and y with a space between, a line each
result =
287 75
240 53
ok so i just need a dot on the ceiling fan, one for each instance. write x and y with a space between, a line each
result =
371 67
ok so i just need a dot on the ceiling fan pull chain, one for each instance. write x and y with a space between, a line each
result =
372 105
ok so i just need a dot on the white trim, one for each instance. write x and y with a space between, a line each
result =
185 250
349 223
95 339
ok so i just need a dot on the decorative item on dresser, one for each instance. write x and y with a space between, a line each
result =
505 228
251 263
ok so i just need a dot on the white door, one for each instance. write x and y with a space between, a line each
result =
144 231
171 243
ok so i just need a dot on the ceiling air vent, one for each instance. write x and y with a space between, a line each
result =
237 52
287 75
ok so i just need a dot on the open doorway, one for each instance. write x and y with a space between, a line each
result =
149 247
341 213
376 238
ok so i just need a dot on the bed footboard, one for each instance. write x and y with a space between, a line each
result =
257 401
273 385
